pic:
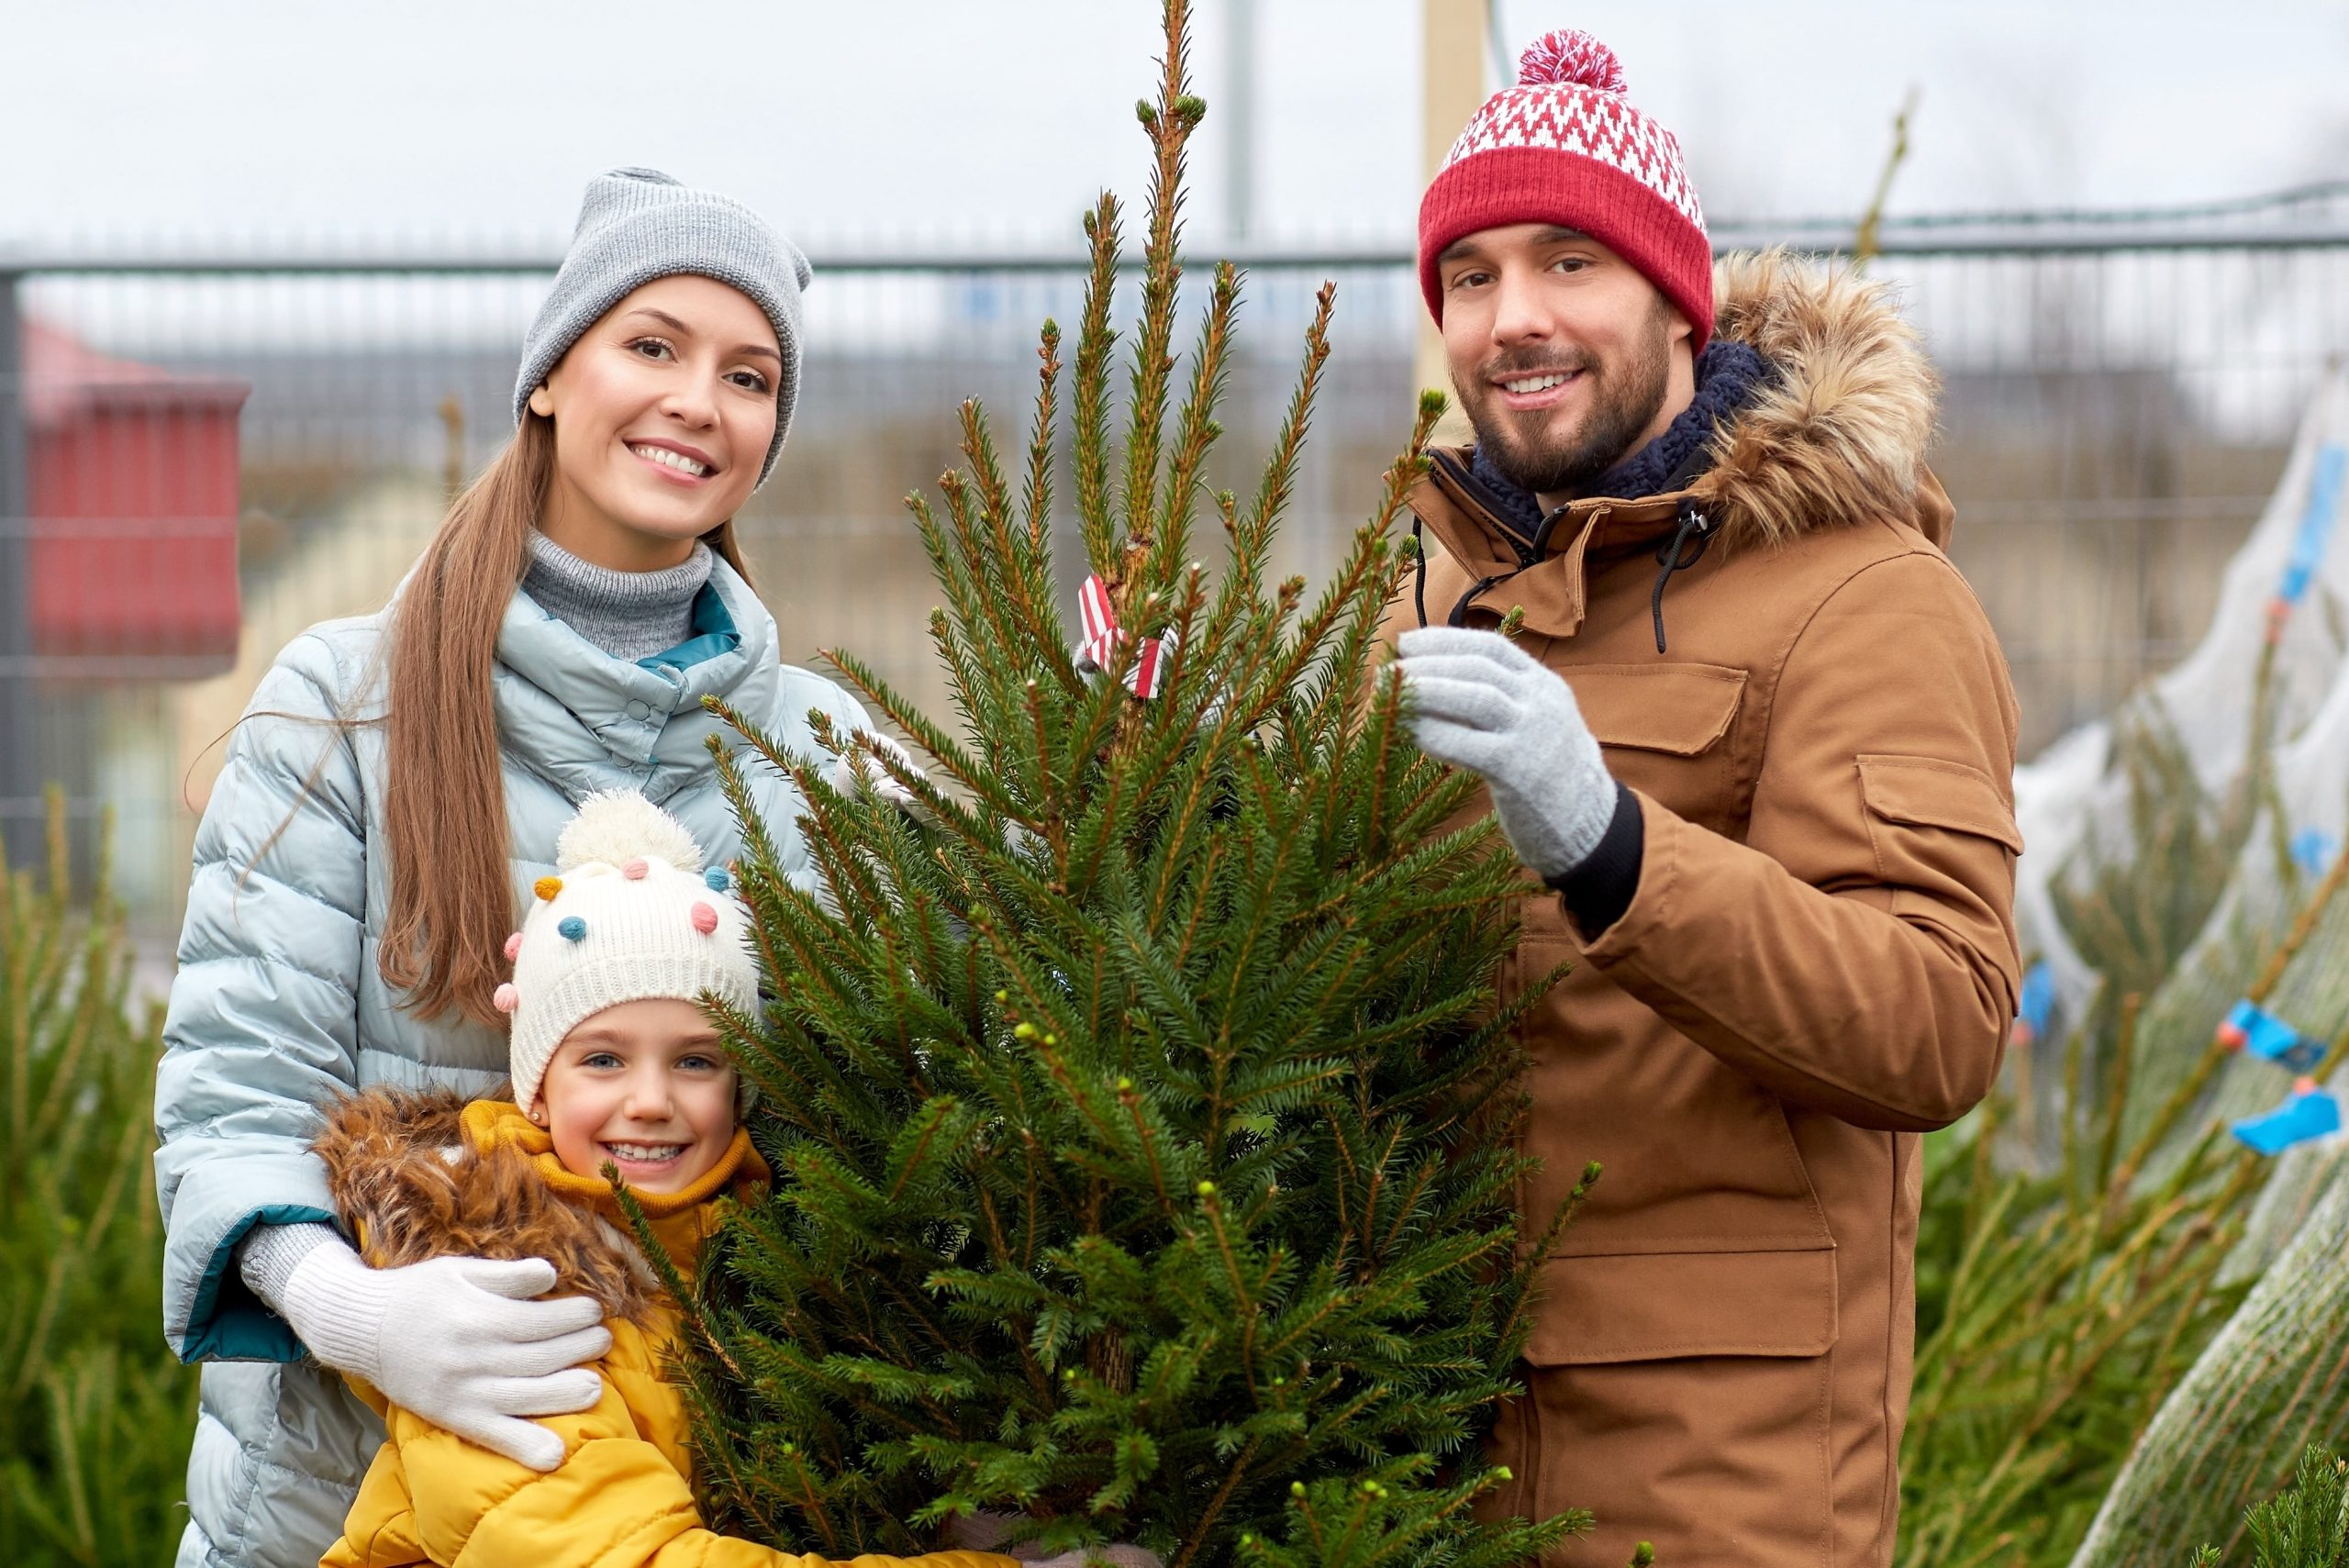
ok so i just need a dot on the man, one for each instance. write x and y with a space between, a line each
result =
1757 734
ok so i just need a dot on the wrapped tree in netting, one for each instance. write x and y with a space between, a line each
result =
2275 1380
2275 941
2134 820
2055 1311
2136 902
1141 1106
2276 1376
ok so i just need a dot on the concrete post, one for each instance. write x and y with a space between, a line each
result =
20 762
1452 86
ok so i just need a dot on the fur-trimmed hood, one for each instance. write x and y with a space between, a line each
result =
1838 437
424 1175
1841 436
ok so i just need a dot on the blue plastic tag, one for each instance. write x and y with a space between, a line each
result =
2036 1006
2313 850
2316 525
2256 1032
2307 1115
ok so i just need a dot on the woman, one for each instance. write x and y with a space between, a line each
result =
395 788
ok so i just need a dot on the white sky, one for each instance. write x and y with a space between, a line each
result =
156 122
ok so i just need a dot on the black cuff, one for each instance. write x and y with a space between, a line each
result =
1598 891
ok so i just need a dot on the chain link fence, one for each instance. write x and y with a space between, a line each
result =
201 455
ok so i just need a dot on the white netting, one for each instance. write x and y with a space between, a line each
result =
2290 583
2273 1380
2293 841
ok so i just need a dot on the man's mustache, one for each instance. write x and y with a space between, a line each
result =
1519 367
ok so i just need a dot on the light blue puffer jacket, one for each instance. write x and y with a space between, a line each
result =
278 1005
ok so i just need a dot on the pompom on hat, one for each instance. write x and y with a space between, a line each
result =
1565 146
640 225
631 913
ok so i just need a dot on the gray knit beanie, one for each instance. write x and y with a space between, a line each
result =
637 225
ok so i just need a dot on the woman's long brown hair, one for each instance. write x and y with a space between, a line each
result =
444 793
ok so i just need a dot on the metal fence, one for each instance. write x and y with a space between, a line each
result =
201 455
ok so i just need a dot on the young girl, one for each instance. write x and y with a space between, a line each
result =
614 1066
393 790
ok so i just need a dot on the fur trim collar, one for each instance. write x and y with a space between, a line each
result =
1841 436
411 1184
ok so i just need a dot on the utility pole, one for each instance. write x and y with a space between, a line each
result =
1239 146
1451 88
20 762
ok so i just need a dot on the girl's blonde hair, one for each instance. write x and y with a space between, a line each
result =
444 793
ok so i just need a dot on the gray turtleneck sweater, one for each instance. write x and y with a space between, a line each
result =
629 614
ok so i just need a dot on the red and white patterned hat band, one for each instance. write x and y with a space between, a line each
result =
1535 152
1569 96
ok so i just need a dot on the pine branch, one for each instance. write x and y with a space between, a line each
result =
1036 499
1171 122
1095 339
1196 428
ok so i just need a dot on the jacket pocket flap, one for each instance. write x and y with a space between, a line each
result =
1925 792
1658 1306
1677 709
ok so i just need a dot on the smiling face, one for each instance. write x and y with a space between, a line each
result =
1567 359
663 412
644 1085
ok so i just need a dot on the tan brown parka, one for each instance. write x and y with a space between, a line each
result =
1818 966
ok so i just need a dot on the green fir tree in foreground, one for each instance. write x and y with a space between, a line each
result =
1143 1122
98 1417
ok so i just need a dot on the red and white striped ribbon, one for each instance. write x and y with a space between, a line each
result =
1102 635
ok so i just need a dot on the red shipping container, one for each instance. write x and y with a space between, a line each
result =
132 484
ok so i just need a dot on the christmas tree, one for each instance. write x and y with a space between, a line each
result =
1142 1104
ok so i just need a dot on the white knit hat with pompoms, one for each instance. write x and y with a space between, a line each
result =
629 915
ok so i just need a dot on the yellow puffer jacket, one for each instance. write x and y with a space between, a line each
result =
420 1175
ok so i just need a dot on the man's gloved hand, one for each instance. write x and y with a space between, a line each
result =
458 1341
1476 700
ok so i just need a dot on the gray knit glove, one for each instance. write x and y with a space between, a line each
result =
1476 700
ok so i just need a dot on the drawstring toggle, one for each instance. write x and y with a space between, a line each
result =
1677 555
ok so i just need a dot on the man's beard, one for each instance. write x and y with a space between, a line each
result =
1625 399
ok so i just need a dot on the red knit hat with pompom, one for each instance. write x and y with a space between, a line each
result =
1565 145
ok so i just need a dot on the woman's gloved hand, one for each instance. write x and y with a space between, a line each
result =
1476 700
460 1342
